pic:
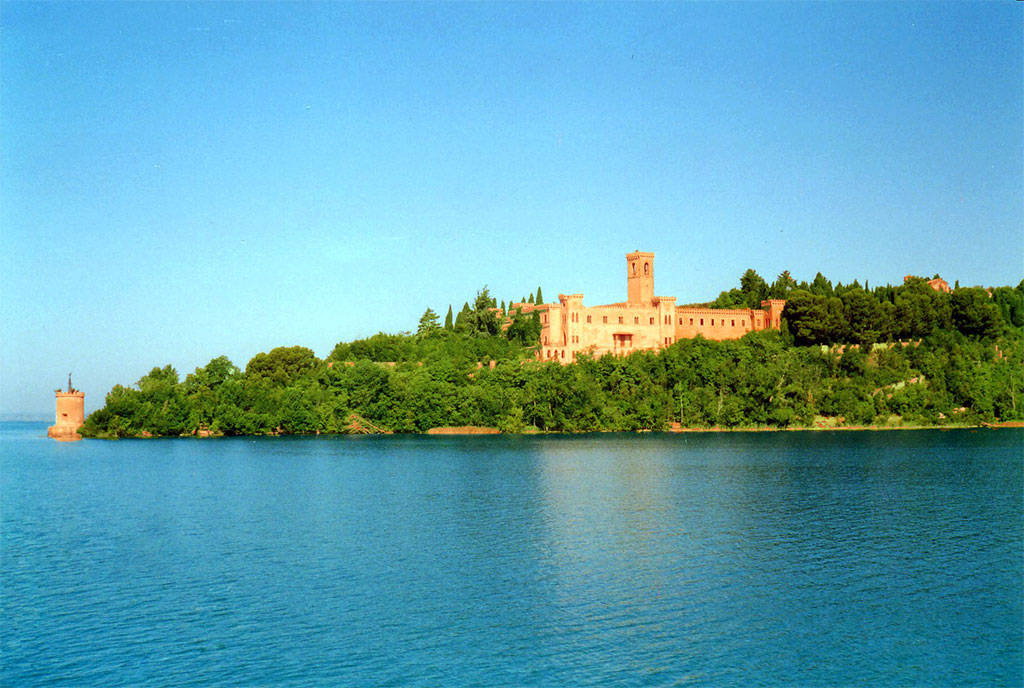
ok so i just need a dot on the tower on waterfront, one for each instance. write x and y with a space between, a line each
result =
70 414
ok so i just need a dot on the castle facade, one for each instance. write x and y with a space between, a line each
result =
642 322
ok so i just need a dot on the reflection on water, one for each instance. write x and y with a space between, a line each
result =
786 558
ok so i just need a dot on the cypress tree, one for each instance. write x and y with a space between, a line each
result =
462 320
540 298
448 324
531 298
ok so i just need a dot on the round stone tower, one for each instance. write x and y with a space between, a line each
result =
70 414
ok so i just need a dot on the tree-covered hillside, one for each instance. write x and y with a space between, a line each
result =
964 364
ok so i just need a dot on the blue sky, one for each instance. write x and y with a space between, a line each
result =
180 181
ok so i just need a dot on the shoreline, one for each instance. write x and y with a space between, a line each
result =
477 431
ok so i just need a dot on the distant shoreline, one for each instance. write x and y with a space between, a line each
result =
465 431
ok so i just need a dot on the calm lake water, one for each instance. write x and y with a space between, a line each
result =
881 558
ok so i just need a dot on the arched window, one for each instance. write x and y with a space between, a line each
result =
647 268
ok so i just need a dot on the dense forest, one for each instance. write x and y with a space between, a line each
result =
846 356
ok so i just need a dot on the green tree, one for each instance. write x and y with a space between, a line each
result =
283 365
782 286
920 310
429 323
821 286
482 319
864 317
462 320
974 314
1010 301
525 327
448 323
754 288
540 296
807 318
158 381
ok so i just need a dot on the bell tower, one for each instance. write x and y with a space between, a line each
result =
640 277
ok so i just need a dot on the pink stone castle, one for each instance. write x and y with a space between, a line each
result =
938 284
642 322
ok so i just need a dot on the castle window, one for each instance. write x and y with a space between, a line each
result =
647 268
712 322
636 319
652 321
743 323
588 319
620 319
702 322
680 321
691 321
563 353
734 323
604 319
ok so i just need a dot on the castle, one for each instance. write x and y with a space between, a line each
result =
642 322
936 283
